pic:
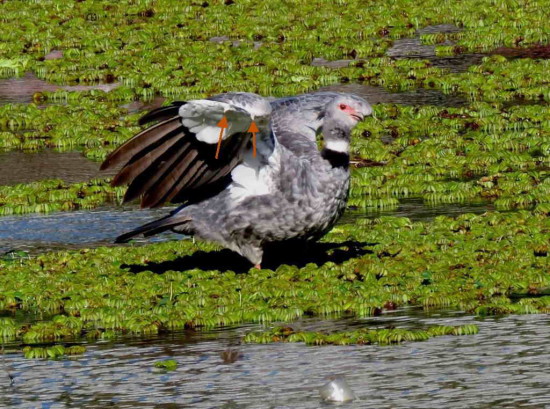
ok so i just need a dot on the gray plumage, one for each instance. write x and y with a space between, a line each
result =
290 190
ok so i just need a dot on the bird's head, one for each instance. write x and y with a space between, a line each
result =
341 115
348 110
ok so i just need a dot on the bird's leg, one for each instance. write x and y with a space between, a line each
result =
258 266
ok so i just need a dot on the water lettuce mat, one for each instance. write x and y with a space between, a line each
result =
494 149
496 263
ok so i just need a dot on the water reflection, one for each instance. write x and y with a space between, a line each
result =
417 210
41 232
413 48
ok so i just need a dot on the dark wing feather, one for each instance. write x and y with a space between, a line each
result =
145 159
160 172
162 113
166 162
183 171
140 144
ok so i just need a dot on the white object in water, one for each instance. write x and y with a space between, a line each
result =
337 390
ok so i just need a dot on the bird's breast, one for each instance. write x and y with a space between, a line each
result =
255 176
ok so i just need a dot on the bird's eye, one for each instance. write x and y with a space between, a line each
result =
343 106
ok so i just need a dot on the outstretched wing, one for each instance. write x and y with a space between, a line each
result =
174 160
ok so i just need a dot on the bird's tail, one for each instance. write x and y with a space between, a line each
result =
154 227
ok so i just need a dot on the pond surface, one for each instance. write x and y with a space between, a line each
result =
420 96
71 167
413 48
505 365
21 90
40 232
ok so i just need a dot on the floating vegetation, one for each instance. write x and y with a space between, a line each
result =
483 152
166 365
449 155
493 149
454 155
53 352
55 195
479 264
357 337
88 124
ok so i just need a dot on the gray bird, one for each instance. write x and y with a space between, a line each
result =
283 190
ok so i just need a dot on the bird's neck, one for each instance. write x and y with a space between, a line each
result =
335 158
336 146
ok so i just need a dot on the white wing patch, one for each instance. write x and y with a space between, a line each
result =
201 117
256 175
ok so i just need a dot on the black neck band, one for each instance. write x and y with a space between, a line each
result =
336 159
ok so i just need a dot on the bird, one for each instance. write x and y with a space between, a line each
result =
274 187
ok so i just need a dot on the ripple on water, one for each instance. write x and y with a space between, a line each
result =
503 366
417 210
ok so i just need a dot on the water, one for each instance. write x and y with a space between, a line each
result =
21 90
409 48
71 230
71 167
417 210
505 365
413 48
404 48
420 96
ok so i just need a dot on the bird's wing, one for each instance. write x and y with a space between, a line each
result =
174 160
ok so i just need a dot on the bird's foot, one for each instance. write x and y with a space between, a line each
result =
259 267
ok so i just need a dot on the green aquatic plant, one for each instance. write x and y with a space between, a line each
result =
493 149
53 352
55 195
166 365
475 263
165 48
365 336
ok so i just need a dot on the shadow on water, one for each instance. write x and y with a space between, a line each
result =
295 254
